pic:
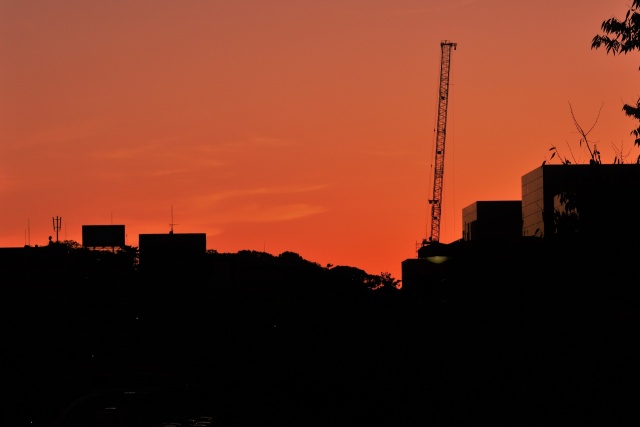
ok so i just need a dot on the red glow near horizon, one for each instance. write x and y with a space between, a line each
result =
303 127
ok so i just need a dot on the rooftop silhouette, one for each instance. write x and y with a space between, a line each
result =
252 338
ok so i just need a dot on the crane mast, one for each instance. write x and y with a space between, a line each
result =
441 133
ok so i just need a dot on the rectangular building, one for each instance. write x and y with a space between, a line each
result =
492 220
169 252
593 201
103 236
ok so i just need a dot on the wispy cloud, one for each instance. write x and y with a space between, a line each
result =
257 208
162 161
269 141
123 153
258 213
63 133
167 171
259 191
287 212
248 143
200 154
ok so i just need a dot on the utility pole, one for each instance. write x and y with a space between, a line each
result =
172 223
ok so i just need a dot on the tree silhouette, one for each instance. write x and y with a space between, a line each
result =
594 154
623 36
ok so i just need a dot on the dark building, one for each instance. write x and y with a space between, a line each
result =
486 226
590 201
421 278
172 252
424 277
594 205
103 236
492 220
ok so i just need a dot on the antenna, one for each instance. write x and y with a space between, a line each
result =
57 225
172 223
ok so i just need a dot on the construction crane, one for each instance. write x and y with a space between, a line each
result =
441 132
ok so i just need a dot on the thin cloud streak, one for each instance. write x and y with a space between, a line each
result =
193 157
257 213
224 195
59 135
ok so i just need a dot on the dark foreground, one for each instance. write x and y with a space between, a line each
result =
258 344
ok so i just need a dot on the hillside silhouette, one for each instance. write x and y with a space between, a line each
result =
528 334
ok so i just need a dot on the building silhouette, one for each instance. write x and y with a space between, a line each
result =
590 201
103 236
491 220
590 206
171 252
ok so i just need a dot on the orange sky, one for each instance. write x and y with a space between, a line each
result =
291 125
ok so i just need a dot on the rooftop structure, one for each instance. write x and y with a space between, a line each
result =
492 220
590 201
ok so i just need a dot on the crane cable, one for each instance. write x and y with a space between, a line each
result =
427 215
453 157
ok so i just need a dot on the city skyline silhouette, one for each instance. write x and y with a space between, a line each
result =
217 213
302 127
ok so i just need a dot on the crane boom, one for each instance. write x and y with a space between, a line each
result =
441 132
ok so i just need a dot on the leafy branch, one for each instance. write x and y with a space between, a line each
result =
622 37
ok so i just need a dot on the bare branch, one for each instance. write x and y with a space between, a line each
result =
593 153
620 156
571 152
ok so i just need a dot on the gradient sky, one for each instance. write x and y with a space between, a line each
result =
292 125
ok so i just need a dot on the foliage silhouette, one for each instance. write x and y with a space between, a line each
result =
621 37
260 339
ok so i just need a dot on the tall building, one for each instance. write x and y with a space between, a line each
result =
591 201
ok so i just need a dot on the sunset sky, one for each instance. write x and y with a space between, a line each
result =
292 125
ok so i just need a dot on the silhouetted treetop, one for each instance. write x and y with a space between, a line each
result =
620 36
623 36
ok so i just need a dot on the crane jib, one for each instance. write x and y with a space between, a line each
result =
436 201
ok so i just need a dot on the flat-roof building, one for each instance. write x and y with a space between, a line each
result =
171 252
593 205
492 220
592 201
103 236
